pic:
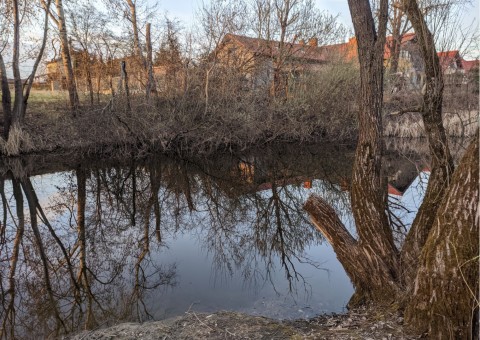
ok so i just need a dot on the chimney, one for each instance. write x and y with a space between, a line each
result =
313 42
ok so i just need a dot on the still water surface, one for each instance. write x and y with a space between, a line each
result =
131 240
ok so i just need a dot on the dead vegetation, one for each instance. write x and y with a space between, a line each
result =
234 117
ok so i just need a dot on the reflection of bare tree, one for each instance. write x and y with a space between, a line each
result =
52 298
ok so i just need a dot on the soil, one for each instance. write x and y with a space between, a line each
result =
359 324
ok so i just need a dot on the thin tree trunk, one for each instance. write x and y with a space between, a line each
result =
151 86
136 38
88 73
442 163
6 99
30 191
18 101
445 298
31 78
66 58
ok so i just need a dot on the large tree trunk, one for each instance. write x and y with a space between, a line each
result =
372 261
66 58
442 163
368 191
446 287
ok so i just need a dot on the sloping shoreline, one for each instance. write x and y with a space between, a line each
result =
359 324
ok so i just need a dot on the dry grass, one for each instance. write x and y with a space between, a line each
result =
410 125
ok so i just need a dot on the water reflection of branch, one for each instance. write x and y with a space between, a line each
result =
41 249
3 224
9 308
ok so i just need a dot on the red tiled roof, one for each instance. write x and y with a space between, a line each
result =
447 58
468 65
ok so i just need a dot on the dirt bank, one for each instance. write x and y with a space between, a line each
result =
360 324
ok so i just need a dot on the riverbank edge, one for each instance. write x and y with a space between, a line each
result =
356 324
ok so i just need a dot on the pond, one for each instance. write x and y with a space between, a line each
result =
126 239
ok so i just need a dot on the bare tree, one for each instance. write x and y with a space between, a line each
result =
447 221
88 27
16 115
218 18
60 21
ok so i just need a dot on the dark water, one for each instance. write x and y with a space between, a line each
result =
165 235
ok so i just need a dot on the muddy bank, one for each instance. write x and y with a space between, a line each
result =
360 324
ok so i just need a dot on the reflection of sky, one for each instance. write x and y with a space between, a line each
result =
411 199
201 285
204 287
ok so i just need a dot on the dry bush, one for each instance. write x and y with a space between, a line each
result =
237 114
18 142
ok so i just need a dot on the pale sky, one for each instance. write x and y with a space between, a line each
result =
185 9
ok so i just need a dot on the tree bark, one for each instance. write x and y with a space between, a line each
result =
442 163
446 286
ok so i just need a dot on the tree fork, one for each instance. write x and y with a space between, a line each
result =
368 272
442 163
368 183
